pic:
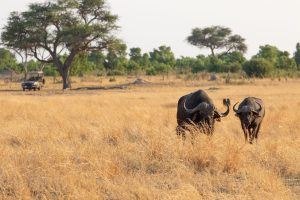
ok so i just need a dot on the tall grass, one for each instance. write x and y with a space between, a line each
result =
123 145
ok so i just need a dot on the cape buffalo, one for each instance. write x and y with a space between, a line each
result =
198 109
251 113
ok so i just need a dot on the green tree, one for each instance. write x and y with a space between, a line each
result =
269 53
162 68
81 65
133 67
284 61
146 63
297 55
8 60
116 60
33 65
258 67
217 37
215 64
136 55
59 27
15 37
98 59
232 57
135 61
280 59
163 55
232 61
187 64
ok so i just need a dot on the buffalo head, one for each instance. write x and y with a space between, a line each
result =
205 114
247 114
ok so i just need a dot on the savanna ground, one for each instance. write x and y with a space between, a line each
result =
121 144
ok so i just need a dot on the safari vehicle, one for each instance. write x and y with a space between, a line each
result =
34 82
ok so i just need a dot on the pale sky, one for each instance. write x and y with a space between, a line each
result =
151 23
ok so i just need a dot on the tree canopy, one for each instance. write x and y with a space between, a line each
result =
280 59
217 37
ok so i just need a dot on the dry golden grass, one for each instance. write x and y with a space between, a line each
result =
121 144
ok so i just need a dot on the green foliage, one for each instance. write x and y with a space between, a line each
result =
285 62
234 67
163 55
50 70
33 65
161 68
297 55
116 60
133 67
217 37
81 64
186 64
145 61
215 64
232 57
151 71
269 53
98 59
8 61
280 59
136 55
258 67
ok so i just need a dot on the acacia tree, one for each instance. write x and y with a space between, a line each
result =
15 39
217 37
62 27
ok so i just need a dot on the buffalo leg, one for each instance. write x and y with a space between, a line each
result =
257 131
245 133
251 136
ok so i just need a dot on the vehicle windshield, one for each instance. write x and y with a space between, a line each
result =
35 77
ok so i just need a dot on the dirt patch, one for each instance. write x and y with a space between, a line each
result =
138 81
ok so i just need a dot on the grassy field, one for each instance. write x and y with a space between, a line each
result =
121 144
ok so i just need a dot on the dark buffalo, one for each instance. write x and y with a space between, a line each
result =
198 109
251 113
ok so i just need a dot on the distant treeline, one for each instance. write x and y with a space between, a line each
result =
79 37
269 61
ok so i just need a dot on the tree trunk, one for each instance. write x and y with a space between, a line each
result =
64 69
212 52
66 80
25 75
25 65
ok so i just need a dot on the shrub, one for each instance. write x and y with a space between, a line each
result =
235 67
151 71
258 67
215 65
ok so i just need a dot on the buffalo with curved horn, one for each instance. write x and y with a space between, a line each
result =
198 108
251 113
